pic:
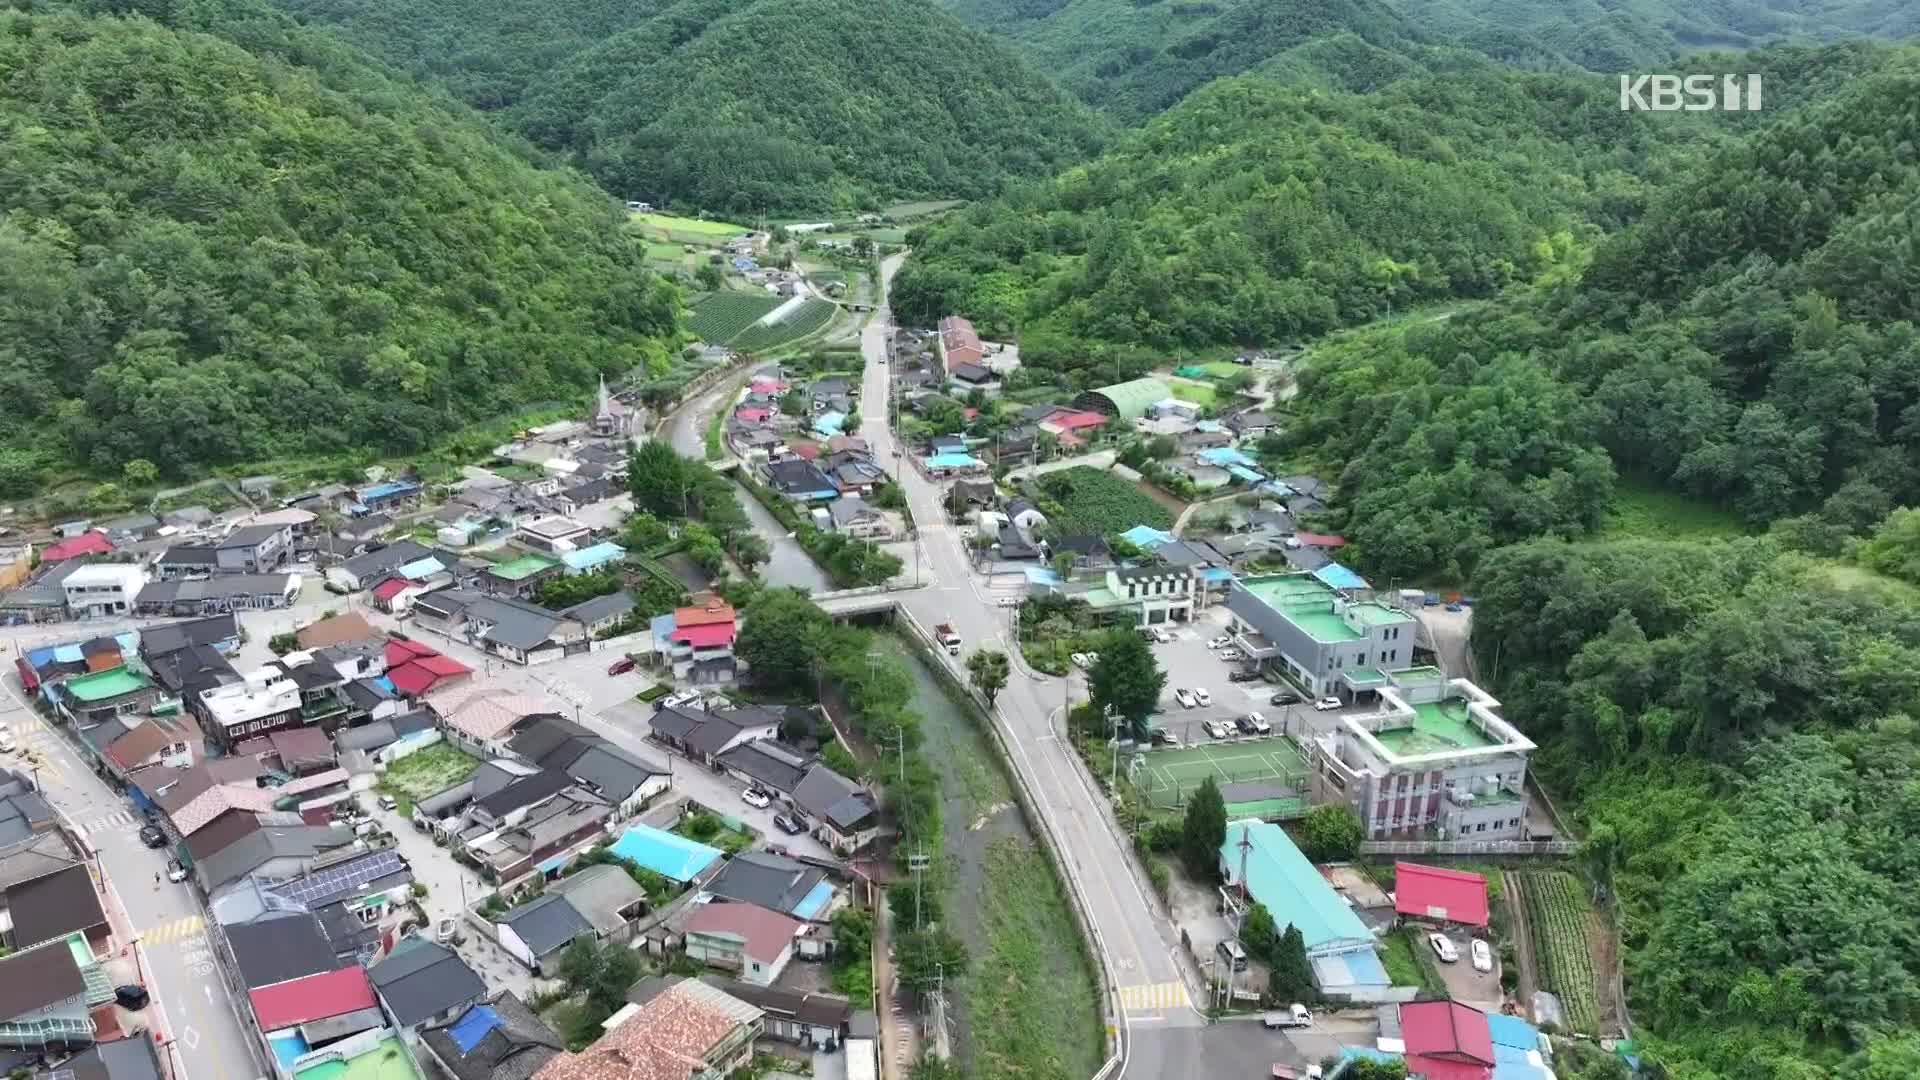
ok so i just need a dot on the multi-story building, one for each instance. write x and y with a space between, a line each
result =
250 549
1150 594
103 589
1319 636
1435 760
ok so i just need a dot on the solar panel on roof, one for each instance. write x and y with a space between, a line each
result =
343 878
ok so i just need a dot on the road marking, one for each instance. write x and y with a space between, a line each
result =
177 930
191 1035
1152 997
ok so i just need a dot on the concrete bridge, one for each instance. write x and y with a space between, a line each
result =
850 603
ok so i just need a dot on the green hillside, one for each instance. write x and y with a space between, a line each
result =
741 108
225 239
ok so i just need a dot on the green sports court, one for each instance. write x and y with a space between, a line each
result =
1167 776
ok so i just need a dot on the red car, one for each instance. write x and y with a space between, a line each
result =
621 666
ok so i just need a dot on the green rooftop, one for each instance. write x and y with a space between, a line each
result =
384 1060
102 685
523 567
1438 727
1308 604
1365 676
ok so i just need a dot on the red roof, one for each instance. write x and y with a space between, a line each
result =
704 637
702 616
805 451
1325 540
390 588
316 997
970 414
1431 1068
764 933
1447 1031
443 666
87 543
1431 892
1075 421
753 414
400 650
762 384
414 668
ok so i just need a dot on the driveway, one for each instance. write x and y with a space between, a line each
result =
1479 989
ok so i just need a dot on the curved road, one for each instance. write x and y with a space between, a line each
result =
1138 943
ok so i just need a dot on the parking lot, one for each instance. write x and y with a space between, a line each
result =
1464 983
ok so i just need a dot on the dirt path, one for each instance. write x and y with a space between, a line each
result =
1608 985
1516 895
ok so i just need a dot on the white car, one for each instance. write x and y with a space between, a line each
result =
1080 660
1184 697
1217 728
1327 704
1093 658
1482 956
1260 723
1161 635
1200 695
756 798
1231 654
1219 643
1443 948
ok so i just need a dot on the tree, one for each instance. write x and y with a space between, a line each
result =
923 957
140 473
1127 679
851 425
751 550
1063 565
1259 933
1290 975
795 402
1203 830
781 636
863 247
661 480
988 670
1331 832
1894 549
710 277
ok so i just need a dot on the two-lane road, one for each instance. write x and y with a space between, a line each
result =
1137 942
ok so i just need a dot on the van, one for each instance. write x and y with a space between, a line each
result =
1232 955
389 803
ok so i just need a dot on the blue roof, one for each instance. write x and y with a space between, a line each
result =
1283 879
815 901
420 568
1512 1031
598 555
381 491
665 853
289 1048
1251 476
1042 575
1335 576
1215 573
953 461
1207 425
830 423
1275 487
662 625
467 1031
1225 455
1145 537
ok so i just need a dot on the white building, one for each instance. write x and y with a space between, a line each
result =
101 589
258 702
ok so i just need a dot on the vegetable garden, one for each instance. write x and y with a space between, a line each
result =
720 317
1089 500
810 316
1558 916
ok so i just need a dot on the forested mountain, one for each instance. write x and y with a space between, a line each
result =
741 108
1133 58
1261 213
225 238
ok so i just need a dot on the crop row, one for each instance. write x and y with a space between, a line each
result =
804 320
1558 914
720 317
1093 501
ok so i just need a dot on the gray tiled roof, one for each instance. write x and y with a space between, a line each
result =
513 1046
421 979
547 924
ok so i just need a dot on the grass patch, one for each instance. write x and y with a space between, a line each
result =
917 209
1222 369
712 830
425 772
653 693
1188 390
1088 500
1859 577
683 230
1032 995
1640 512
1409 963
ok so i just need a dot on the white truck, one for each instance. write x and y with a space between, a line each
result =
944 634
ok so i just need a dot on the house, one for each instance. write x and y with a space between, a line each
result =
396 595
776 883
540 821
370 527
1446 1040
43 999
623 778
501 1039
672 1029
592 559
522 576
745 939
133 527
279 947
607 897
35 855
1075 424
704 735
1439 894
1250 423
23 813
1154 594
250 549
53 906
262 701
696 640
593 491
1128 400
43 599
959 343
343 995
807 1019
1025 516
602 613
90 699
1089 550
384 497
670 855
852 516
971 377
99 590
173 741
424 982
846 817
552 535
513 630
272 852
537 931
416 670
798 480
1014 545
1210 437
366 569
84 545
220 632
1259 863
1330 644
336 630
481 716
765 763
117 1059
1433 759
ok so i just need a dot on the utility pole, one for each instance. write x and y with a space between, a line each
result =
917 862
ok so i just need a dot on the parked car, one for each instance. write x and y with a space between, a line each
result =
1443 948
1163 737
1231 654
1327 704
1482 955
1217 728
680 700
176 872
1284 697
1093 658
1080 660
756 798
1185 697
1295 1016
786 823
151 836
1455 607
1219 643
446 931
1160 635
130 997
620 666
1244 725
1242 675
1259 723
1200 695
1232 955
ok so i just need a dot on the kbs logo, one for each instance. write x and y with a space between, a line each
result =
1689 93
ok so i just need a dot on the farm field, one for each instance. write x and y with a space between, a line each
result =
1196 392
918 209
1095 501
1222 369
426 772
1558 916
682 230
720 317
810 317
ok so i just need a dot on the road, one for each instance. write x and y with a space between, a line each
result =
1138 942
191 1006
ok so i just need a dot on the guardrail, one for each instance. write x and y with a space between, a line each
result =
1468 847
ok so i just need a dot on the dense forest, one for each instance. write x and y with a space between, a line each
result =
1260 213
1134 58
741 108
225 239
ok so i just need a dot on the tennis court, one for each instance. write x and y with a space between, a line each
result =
1167 776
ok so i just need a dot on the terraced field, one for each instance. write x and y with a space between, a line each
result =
807 318
720 317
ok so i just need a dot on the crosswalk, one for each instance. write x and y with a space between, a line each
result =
177 930
118 819
1152 997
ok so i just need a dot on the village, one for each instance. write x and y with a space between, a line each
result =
428 767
